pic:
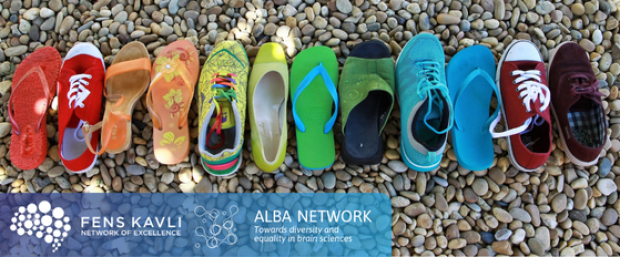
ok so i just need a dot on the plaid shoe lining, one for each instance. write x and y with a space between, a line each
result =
588 127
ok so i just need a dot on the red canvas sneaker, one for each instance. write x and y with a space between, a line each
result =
525 100
576 104
80 89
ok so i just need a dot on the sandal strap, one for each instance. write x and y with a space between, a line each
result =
149 97
128 66
106 132
46 89
88 129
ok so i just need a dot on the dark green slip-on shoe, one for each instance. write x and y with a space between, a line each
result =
366 98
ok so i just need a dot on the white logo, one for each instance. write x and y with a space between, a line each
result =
43 222
78 93
217 234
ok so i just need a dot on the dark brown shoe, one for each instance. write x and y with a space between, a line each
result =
576 104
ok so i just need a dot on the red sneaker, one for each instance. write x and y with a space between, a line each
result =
576 103
525 100
80 89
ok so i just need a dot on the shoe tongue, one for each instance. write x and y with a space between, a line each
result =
228 116
433 117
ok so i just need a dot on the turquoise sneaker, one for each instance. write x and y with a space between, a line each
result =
425 106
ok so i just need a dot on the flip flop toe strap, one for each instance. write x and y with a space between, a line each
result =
184 74
316 71
46 89
495 117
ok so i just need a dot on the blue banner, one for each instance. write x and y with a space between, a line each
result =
180 224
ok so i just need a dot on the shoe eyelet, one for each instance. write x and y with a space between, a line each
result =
514 82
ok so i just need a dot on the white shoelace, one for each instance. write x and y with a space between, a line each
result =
531 90
78 92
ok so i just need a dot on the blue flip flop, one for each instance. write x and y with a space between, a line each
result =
471 85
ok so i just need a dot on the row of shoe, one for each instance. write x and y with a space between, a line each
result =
81 81
364 97
433 103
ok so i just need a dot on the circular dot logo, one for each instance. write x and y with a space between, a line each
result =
43 222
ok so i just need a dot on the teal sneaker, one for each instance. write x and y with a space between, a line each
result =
425 106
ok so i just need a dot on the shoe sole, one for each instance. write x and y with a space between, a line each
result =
79 49
511 156
571 157
419 168
239 161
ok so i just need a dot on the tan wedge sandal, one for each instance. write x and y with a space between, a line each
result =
126 80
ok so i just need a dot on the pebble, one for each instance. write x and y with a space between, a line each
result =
15 50
66 25
536 246
5 128
558 204
480 186
604 167
502 247
397 166
520 214
447 19
587 45
329 180
606 186
502 215
503 234
344 6
135 170
578 9
610 217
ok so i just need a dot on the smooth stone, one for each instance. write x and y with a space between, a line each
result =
520 214
15 50
329 180
604 167
606 186
610 217
398 166
502 215
5 129
135 170
480 186
344 6
447 19
559 202
536 246
503 234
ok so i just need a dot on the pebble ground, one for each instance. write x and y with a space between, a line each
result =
560 209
